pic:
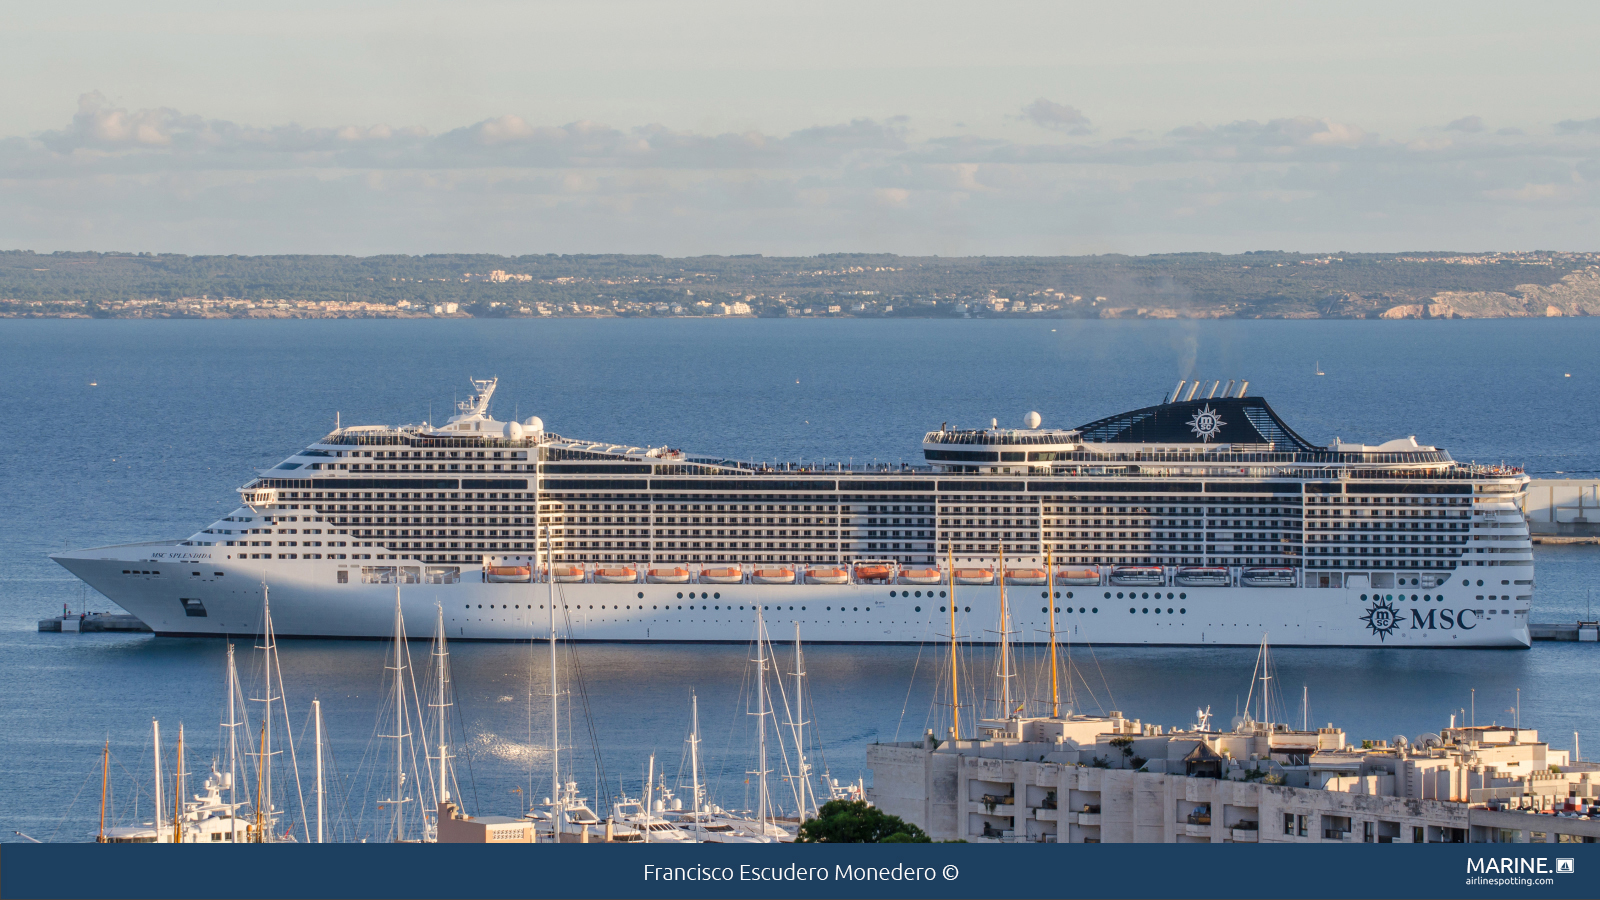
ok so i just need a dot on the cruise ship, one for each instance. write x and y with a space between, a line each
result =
1202 520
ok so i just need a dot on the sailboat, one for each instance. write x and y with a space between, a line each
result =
1319 368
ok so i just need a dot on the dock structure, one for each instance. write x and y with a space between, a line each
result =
89 622
1587 632
1563 507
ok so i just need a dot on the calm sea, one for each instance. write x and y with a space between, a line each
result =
124 431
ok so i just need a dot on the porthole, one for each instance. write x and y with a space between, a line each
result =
1108 595
1169 595
680 595
891 593
1413 598
741 609
1182 611
1044 609
480 606
942 609
641 595
919 593
802 609
966 609
1044 595
941 594
1058 609
1119 595
1095 610
1480 582
1182 596
1169 610
830 609
653 606
718 607
1363 596
1069 595
714 596
853 609
1132 610
919 609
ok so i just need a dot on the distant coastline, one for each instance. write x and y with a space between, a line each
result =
1256 285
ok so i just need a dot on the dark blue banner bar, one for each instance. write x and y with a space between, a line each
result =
877 871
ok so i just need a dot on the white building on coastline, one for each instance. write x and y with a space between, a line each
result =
1094 779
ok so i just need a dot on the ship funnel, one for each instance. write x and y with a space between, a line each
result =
1178 390
1193 389
1242 388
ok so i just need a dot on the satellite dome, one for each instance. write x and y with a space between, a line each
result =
534 423
513 431
1031 420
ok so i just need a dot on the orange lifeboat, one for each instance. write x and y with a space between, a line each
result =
1026 576
920 576
616 576
822 575
974 576
507 574
873 572
773 576
730 575
1077 576
667 576
566 574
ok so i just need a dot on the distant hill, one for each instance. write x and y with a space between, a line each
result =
1263 284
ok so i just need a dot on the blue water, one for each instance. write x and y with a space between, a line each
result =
182 412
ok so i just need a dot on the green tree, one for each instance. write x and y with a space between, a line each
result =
857 822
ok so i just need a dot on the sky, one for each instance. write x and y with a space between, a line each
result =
686 127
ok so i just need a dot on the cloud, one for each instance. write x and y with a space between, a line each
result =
1469 124
1578 126
162 179
1048 114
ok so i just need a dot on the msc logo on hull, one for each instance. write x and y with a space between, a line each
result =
1384 620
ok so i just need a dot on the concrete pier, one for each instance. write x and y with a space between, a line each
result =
1577 631
93 622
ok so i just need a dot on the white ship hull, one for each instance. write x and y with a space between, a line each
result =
224 598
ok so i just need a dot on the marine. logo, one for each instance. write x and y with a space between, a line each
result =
1207 423
1382 618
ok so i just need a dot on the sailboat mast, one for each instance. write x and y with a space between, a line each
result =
694 758
1050 580
105 776
233 752
439 675
649 779
155 729
1005 642
316 713
761 721
265 778
799 728
400 717
177 791
558 813
955 682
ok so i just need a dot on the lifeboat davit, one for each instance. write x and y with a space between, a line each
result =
730 575
873 573
773 576
1204 576
1139 576
1267 577
508 574
566 574
616 576
666 576
1026 576
920 576
827 576
1077 576
974 576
